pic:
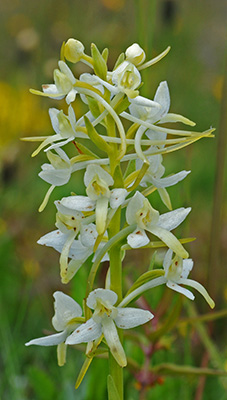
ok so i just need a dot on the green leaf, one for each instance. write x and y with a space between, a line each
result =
152 263
95 137
122 105
105 54
93 106
112 390
119 61
84 150
100 66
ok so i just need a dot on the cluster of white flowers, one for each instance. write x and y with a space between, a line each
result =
122 168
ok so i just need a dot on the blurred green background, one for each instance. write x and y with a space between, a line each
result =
31 36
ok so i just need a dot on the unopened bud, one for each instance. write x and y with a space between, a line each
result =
73 50
135 54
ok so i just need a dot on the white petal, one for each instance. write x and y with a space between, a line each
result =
53 91
200 289
78 251
85 333
53 113
56 177
59 144
162 97
167 260
138 238
101 214
51 340
79 203
88 235
113 341
67 71
176 118
172 219
130 317
187 267
135 203
143 101
170 180
71 96
55 239
104 294
66 309
180 289
117 197
169 239
93 170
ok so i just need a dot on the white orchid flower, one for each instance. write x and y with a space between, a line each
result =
176 274
69 223
58 172
67 311
126 79
97 181
77 250
139 211
158 115
104 321
64 82
65 131
154 175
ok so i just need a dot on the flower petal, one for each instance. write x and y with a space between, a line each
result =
172 219
88 235
101 214
104 294
78 203
113 341
187 267
170 117
135 203
200 289
163 98
138 238
169 239
130 317
66 309
93 170
180 289
51 340
117 197
85 333
170 180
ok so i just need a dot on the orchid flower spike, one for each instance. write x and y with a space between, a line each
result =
64 321
104 321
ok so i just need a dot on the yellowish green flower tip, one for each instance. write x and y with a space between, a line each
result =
73 50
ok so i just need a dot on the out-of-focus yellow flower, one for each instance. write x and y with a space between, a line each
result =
114 5
21 114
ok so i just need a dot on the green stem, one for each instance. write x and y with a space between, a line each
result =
116 285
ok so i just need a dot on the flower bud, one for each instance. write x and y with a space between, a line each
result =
135 54
73 50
